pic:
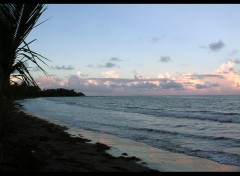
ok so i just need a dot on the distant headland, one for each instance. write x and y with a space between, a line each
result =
25 91
60 93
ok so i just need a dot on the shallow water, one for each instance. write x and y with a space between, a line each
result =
199 126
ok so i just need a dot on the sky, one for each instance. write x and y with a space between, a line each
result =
140 49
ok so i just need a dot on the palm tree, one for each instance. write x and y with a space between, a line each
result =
16 22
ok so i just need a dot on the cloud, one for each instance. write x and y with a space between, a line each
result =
170 84
206 85
203 76
115 59
110 64
143 85
110 74
107 65
111 85
163 75
231 77
216 46
164 59
136 76
223 80
63 67
50 82
225 67
81 75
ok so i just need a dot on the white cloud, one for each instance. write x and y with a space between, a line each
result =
81 75
164 75
231 77
225 67
110 74
223 80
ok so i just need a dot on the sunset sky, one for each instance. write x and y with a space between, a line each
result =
140 49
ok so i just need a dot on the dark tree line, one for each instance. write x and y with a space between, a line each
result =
25 91
60 92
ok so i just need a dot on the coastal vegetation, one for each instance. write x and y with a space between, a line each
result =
16 22
16 81
60 92
25 91
28 143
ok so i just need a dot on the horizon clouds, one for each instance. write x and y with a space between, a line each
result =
223 79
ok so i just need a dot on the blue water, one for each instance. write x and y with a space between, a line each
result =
202 126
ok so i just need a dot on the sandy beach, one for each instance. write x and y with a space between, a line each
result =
129 88
32 144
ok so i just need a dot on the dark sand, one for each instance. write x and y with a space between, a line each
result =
28 143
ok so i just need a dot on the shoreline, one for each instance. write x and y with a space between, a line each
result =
33 144
45 144
151 157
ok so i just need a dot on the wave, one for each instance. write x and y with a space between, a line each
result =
200 115
222 117
221 157
194 136
175 141
165 144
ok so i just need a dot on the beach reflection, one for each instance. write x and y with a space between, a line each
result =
153 157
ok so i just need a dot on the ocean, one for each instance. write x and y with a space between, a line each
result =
200 126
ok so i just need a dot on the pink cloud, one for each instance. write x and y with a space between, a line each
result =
110 74
223 80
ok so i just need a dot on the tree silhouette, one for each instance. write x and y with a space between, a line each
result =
16 22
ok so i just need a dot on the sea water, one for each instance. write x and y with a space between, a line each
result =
200 126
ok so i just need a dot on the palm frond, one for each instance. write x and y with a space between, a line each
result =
16 22
26 76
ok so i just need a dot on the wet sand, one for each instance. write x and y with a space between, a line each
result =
32 144
154 158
